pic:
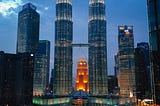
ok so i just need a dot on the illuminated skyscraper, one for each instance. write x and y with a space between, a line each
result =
126 75
97 48
154 38
63 48
28 29
82 76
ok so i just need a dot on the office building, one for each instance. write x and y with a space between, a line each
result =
97 48
82 76
44 49
154 38
126 76
41 69
142 71
63 48
28 29
16 82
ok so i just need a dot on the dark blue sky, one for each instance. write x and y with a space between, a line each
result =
118 12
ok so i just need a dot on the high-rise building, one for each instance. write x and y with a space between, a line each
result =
97 48
63 48
16 82
41 69
44 49
142 71
154 38
28 29
82 76
126 76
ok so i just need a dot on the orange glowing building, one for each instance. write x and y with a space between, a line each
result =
82 76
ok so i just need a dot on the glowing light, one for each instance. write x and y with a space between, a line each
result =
8 7
97 17
82 76
64 1
131 95
127 33
121 28
32 55
96 1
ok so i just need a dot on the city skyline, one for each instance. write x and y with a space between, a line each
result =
116 15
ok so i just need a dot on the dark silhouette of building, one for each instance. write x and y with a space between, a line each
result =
16 71
97 48
142 71
41 72
28 29
154 38
112 84
63 48
126 76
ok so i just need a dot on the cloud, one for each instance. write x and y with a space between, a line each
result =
46 8
8 7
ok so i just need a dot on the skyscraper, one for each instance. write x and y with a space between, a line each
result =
82 76
63 48
41 69
97 48
142 71
126 76
154 38
44 49
28 29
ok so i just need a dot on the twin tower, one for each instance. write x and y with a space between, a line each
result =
97 50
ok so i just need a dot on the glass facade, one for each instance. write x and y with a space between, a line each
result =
154 38
44 49
126 75
40 75
28 29
97 48
63 48
154 24
41 72
142 69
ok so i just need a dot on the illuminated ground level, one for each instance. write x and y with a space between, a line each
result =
82 99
